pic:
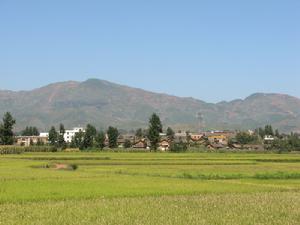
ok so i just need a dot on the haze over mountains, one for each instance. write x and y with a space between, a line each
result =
103 103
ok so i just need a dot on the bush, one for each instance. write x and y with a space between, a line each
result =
73 166
244 138
11 149
178 147
127 144
40 149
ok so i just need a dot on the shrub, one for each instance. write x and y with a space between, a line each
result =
127 144
40 149
11 149
178 147
73 166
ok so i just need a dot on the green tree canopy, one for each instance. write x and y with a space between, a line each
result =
139 133
77 141
155 128
60 137
6 129
53 136
261 132
127 144
100 140
30 131
62 129
89 136
269 130
179 147
112 134
170 133
244 138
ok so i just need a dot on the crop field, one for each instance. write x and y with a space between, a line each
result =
149 188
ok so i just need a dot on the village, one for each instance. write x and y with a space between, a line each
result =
216 139
152 138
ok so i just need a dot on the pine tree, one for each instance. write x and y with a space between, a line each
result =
100 140
155 128
170 133
6 129
139 133
53 136
30 131
112 134
89 136
77 141
269 130
127 143
61 140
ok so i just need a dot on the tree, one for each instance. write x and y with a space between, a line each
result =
100 140
170 133
294 141
188 137
30 131
244 138
62 129
281 145
53 136
269 130
39 142
261 132
127 144
155 128
89 136
6 129
60 139
139 133
112 134
77 141
179 147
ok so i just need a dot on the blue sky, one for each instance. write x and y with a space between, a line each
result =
211 50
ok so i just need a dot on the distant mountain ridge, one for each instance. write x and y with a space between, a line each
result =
103 103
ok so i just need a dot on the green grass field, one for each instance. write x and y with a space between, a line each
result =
150 188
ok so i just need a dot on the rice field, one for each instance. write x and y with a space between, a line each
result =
149 188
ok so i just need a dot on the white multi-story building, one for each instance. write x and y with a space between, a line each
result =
69 134
44 134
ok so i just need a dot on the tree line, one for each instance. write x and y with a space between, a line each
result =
93 138
282 142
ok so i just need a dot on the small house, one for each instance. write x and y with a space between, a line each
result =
142 143
31 140
164 145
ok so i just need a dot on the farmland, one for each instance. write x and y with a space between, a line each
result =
149 188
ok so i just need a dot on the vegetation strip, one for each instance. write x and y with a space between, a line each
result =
259 176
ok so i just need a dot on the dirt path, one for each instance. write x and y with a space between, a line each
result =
60 166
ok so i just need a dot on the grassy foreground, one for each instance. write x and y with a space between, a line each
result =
150 188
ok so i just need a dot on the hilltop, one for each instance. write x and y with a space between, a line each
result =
103 103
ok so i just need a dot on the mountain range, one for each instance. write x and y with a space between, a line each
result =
103 103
